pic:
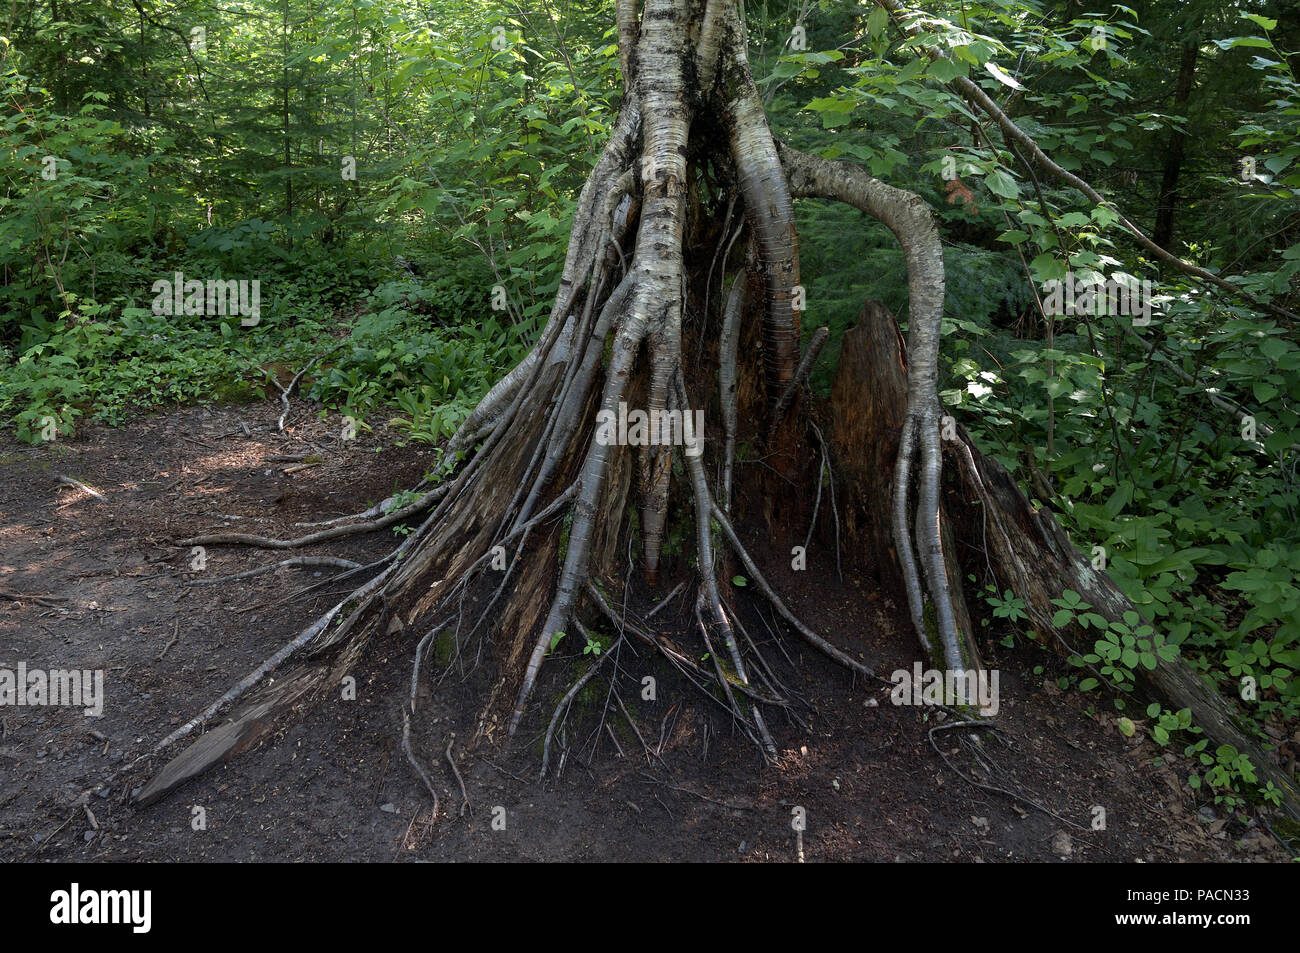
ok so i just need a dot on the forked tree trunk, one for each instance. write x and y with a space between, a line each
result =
691 189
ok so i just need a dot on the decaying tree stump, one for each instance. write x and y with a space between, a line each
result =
868 407
691 190
1024 547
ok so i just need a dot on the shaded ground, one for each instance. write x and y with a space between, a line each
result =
334 785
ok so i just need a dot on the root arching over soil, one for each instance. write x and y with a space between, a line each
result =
516 545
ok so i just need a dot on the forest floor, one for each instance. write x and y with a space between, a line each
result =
333 784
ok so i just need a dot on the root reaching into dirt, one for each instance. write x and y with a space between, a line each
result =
978 727
613 339
567 700
553 482
296 561
335 531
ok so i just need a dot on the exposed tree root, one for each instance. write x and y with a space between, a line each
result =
614 336
386 505
541 482
334 532
302 561
983 725
564 704
286 391
820 337
912 221
464 795
419 769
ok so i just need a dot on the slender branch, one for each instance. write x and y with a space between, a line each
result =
974 94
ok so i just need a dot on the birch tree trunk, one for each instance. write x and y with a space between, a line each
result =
680 293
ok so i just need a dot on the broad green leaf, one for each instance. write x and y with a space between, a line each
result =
1000 183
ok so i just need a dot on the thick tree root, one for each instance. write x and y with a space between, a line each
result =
296 561
334 532
542 484
912 221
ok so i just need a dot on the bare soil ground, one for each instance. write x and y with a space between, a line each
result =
333 783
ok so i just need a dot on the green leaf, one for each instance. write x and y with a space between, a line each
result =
1002 184
1047 267
878 22
1273 348
1264 22
1104 216
945 71
1236 41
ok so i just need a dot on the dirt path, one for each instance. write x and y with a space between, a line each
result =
333 784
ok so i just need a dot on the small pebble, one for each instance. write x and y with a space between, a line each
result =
1062 845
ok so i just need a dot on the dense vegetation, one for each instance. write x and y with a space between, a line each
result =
400 177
